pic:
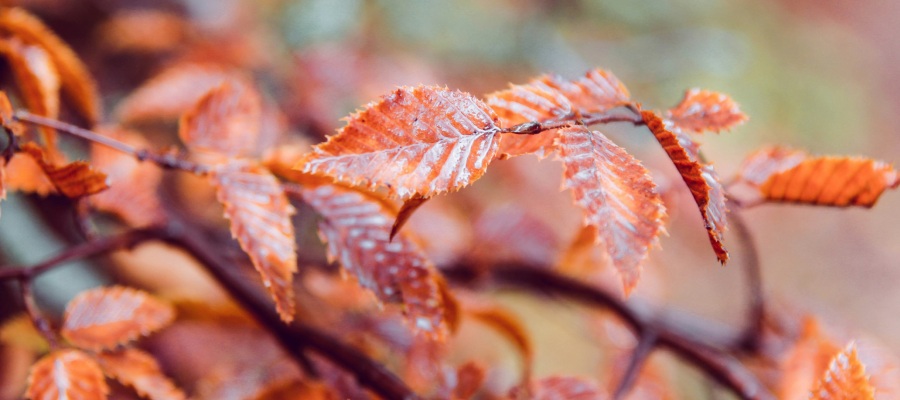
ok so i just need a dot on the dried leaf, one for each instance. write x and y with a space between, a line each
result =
416 141
701 179
806 361
132 192
703 110
104 318
406 211
357 230
469 379
24 174
511 327
138 369
260 217
225 121
783 175
171 93
37 80
845 379
77 83
560 387
66 374
6 111
74 180
616 195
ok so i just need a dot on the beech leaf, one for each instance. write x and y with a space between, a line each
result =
138 369
66 374
74 180
225 121
703 110
701 179
106 317
617 197
132 192
171 93
37 80
357 231
845 379
24 174
406 211
260 217
420 141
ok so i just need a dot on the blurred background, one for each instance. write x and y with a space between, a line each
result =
818 75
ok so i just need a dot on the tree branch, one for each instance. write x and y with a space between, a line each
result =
750 338
639 356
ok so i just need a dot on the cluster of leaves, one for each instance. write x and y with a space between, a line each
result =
393 155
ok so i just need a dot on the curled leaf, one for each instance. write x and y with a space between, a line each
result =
845 379
420 141
106 317
74 180
260 217
225 121
703 110
66 374
37 80
132 192
406 211
138 369
616 195
701 179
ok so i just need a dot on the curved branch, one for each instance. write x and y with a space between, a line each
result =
751 336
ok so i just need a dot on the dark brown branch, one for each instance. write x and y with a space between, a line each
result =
639 355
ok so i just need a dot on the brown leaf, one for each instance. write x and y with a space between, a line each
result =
132 192
138 369
66 374
77 83
37 80
260 217
845 379
560 387
415 141
24 174
701 179
469 379
357 231
74 180
225 121
406 211
783 175
104 318
703 110
171 93
616 195
508 325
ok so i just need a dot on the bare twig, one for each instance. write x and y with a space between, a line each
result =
750 338
608 117
639 356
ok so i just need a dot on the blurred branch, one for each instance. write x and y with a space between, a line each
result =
751 336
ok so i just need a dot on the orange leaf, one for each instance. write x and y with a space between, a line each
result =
6 111
357 230
24 174
703 110
616 195
66 374
845 379
416 141
74 180
806 361
77 83
469 379
783 175
37 80
106 317
511 327
171 93
701 179
224 121
406 211
132 192
560 387
143 31
136 368
260 217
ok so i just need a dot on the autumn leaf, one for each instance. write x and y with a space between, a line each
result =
143 31
37 80
562 387
138 369
6 111
66 374
171 93
106 317
700 178
406 211
74 180
806 361
703 110
357 231
260 217
77 83
845 379
783 175
225 121
418 141
510 327
24 174
469 379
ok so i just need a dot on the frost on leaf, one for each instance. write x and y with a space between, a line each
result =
700 178
74 180
415 141
137 369
36 79
357 231
562 387
132 192
260 217
171 93
66 374
104 318
703 110
783 175
845 379
77 83
225 121
616 195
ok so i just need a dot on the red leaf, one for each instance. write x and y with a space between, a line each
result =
225 121
416 141
357 230
37 80
132 192
74 180
260 217
171 93
559 387
701 179
104 318
617 197
702 110
66 374
845 379
136 368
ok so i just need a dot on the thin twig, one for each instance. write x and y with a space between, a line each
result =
750 339
537 127
37 318
639 355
